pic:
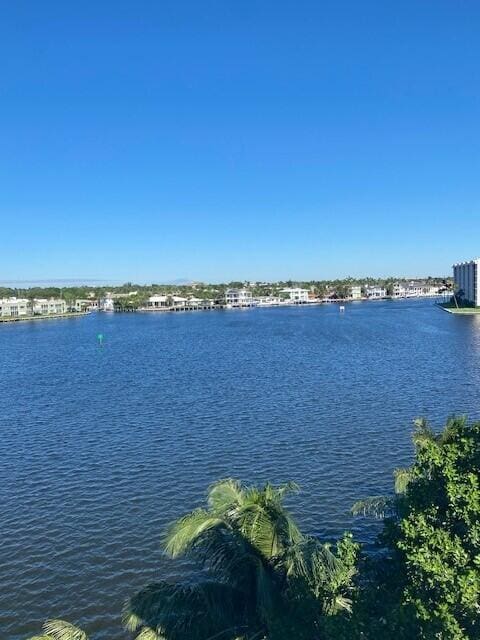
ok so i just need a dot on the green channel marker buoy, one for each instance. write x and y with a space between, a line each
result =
100 338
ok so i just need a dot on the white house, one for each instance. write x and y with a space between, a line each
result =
157 302
199 302
356 292
467 282
44 306
106 303
238 297
295 294
399 290
14 307
269 301
414 289
375 291
178 301
85 304
431 290
166 302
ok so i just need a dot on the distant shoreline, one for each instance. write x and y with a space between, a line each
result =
187 308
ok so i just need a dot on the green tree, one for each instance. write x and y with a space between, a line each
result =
432 538
262 578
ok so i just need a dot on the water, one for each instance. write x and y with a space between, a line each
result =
102 446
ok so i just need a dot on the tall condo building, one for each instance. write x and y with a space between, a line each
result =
467 282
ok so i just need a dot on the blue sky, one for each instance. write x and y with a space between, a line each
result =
155 140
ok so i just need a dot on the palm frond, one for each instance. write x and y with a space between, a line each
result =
279 492
402 479
317 574
184 533
176 611
61 630
224 495
266 592
149 634
265 522
376 506
423 433
227 554
452 428
342 602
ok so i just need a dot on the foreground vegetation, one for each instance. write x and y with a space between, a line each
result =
262 578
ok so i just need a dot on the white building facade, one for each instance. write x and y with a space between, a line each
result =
106 304
157 302
14 307
21 307
375 292
238 298
465 275
356 292
296 294
84 304
45 307
166 302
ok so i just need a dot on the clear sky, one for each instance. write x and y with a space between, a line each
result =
150 140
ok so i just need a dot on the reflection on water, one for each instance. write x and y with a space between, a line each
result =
103 445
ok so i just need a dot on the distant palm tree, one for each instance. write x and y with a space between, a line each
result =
260 576
31 304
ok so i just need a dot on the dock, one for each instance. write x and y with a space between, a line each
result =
50 316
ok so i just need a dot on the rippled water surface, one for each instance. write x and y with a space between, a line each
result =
102 446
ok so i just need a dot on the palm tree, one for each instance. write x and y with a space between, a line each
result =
393 506
260 577
60 630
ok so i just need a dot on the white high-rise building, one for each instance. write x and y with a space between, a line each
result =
467 282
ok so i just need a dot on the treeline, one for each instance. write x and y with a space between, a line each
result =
263 578
204 290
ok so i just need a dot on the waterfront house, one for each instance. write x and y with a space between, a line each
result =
399 290
14 307
296 294
106 303
170 302
238 297
431 290
419 288
49 306
199 302
178 301
467 282
158 302
84 304
414 289
356 292
269 301
375 292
